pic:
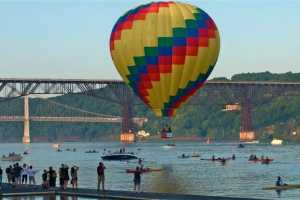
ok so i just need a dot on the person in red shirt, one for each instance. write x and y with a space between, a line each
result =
101 176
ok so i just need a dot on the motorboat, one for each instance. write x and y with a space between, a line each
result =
13 157
119 157
276 142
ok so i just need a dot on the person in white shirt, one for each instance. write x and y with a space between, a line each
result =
31 173
24 174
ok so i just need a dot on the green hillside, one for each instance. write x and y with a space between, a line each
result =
277 116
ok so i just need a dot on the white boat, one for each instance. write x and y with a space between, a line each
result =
56 146
169 146
250 142
276 142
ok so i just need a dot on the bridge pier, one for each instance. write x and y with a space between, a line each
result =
26 134
246 131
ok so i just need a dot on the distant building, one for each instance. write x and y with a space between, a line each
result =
232 107
127 137
247 136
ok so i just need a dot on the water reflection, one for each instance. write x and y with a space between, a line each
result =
168 182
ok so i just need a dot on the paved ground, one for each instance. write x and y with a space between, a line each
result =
25 190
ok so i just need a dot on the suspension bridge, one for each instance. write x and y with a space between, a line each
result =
83 116
117 92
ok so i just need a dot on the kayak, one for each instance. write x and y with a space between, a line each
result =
145 170
183 157
263 161
283 187
217 159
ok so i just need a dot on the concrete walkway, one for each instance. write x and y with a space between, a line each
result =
26 190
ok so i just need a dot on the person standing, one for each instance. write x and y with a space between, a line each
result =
66 176
31 174
45 183
74 176
61 176
8 172
17 171
137 179
1 173
52 177
13 175
101 175
24 174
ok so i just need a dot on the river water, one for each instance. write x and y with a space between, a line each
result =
239 178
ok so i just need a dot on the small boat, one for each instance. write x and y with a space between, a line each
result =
276 142
263 161
195 155
241 146
92 151
26 152
145 170
216 159
250 142
56 146
283 187
266 161
183 156
169 146
12 157
119 157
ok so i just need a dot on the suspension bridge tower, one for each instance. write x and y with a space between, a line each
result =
26 135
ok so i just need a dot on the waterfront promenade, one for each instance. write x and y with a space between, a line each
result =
36 190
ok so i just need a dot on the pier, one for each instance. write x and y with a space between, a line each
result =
36 190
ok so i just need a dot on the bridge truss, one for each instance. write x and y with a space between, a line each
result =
117 92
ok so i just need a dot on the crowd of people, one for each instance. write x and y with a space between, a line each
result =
25 174
17 174
49 177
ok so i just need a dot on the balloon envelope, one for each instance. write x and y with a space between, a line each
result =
165 51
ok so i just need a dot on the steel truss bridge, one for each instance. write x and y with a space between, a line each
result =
117 92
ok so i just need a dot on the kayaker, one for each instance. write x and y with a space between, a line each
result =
141 163
279 181
223 161
213 158
1 173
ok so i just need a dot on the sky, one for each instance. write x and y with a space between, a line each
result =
69 38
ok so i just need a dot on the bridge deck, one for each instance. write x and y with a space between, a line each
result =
22 190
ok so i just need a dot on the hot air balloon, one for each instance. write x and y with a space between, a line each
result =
165 52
